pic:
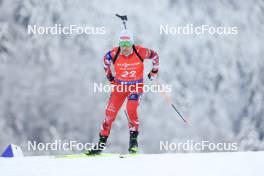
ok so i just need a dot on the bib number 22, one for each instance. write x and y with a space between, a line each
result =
130 74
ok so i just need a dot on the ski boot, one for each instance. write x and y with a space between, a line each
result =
133 144
97 150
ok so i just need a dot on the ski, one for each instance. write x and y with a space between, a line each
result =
83 155
128 155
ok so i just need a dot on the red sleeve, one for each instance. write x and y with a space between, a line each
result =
146 53
107 59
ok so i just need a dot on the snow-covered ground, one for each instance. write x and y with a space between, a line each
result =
204 164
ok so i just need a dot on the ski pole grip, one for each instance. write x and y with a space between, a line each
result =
122 17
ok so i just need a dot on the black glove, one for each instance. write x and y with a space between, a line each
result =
111 79
153 75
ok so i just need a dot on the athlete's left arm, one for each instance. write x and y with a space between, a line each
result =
150 54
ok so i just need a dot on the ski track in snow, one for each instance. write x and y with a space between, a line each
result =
191 164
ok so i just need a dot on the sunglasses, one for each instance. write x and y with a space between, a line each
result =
125 43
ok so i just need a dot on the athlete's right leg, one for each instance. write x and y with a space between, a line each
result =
114 104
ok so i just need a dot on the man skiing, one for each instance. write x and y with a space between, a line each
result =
128 62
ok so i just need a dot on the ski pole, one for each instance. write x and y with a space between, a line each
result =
169 101
127 117
123 18
124 109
